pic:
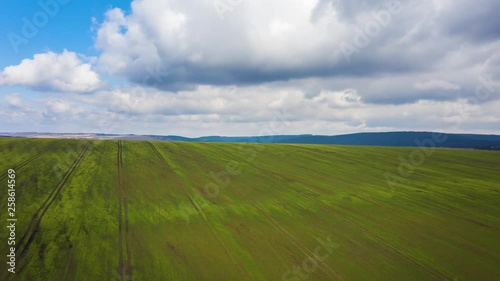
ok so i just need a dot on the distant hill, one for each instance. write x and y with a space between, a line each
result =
403 139
253 139
470 141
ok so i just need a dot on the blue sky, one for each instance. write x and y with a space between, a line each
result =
219 67
69 28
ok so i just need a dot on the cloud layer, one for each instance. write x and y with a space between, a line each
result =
253 42
255 110
188 43
229 67
64 72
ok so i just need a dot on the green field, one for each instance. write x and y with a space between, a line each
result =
138 210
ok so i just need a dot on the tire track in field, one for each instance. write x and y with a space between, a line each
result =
304 249
379 239
124 269
365 196
127 244
33 226
21 140
204 216
376 237
296 242
421 222
121 268
28 161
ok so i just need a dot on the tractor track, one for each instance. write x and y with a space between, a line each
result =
28 161
124 269
367 197
409 216
377 238
33 226
121 268
204 216
296 242
304 249
374 236
22 140
322 265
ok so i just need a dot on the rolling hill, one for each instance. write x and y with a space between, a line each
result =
410 139
149 210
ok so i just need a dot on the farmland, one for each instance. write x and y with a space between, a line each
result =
139 210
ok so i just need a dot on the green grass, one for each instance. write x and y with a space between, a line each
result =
154 212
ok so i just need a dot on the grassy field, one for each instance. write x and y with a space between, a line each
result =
137 210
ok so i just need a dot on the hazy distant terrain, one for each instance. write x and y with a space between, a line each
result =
474 141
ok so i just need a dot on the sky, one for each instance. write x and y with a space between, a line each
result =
241 67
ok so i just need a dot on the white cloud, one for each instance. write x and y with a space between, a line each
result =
49 71
252 110
177 45
232 75
15 102
347 98
189 40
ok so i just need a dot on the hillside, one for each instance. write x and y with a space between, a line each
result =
148 210
410 139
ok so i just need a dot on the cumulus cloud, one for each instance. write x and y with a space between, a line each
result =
193 69
261 109
178 45
13 101
257 42
65 72
59 111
